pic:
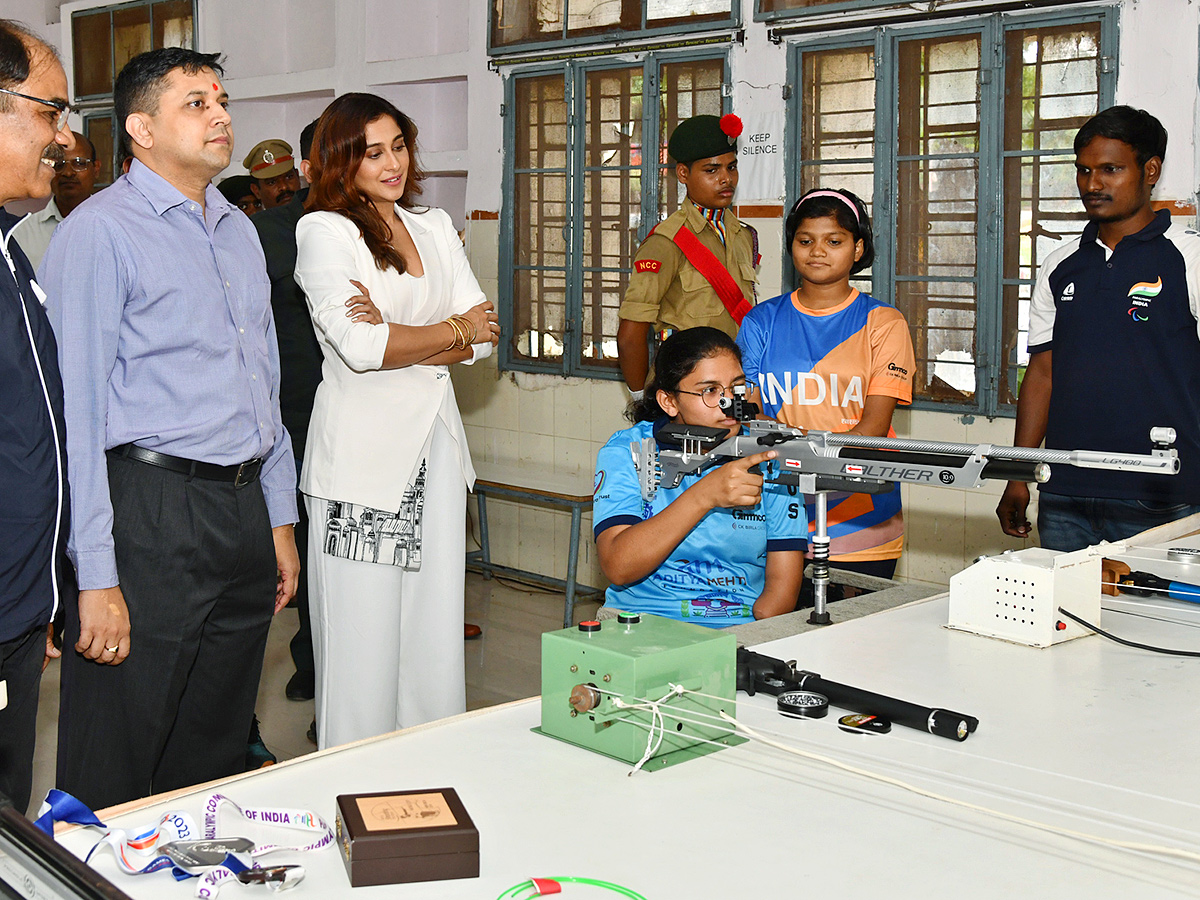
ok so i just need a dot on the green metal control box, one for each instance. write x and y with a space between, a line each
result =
638 658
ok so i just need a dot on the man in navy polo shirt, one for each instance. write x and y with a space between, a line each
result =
1114 347
33 518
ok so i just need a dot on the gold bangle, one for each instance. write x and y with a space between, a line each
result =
468 329
464 327
454 337
460 334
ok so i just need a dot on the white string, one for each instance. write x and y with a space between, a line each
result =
691 737
1032 823
641 703
674 714
657 726
702 694
656 730
1138 588
677 688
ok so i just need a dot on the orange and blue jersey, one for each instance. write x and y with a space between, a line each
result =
815 369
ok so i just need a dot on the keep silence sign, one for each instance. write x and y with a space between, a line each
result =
760 159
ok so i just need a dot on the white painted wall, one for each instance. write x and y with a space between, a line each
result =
1157 66
431 59
39 15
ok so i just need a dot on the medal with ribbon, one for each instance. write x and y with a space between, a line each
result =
175 842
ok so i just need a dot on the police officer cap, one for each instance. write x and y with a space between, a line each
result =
269 158
701 137
235 187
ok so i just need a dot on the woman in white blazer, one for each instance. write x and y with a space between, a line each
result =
386 469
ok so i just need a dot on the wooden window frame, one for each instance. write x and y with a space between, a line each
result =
567 39
573 361
992 362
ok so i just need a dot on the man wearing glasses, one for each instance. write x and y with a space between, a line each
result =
33 519
70 187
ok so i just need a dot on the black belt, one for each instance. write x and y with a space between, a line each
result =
241 474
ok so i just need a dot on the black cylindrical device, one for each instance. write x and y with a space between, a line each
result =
1015 470
941 722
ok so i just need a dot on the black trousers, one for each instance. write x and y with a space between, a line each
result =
21 669
301 645
196 562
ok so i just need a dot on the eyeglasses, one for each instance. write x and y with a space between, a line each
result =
78 163
63 107
711 395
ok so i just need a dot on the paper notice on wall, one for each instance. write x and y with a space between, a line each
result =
760 159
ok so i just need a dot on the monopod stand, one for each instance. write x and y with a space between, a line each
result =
820 563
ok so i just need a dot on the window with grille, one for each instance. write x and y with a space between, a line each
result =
103 39
585 188
783 9
960 141
520 24
795 6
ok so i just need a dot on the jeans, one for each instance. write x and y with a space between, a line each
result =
1072 523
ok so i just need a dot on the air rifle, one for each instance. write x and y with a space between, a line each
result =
818 462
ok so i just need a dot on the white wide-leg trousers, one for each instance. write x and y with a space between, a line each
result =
387 641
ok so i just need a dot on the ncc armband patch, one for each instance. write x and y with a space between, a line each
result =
647 265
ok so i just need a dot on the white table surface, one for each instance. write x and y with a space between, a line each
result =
1089 735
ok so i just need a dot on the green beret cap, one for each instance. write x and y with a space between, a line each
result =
701 137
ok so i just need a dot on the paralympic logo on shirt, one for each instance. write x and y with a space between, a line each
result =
1141 294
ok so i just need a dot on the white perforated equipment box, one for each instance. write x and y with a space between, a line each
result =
1015 596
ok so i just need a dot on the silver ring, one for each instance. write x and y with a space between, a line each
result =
113 649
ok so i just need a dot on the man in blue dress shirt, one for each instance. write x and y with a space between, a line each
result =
33 105
183 483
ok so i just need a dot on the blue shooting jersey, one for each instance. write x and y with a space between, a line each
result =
718 571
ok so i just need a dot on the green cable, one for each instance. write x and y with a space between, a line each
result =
513 892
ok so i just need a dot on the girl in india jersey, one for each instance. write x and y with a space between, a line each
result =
828 357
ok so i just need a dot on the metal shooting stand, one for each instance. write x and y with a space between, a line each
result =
820 564
820 487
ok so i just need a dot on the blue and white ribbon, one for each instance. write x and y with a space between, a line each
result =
137 851
300 819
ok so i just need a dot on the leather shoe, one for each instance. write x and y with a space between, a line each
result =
257 754
311 734
301 686
470 632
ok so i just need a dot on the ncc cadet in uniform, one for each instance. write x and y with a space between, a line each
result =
699 265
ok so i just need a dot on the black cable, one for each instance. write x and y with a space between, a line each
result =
1112 637
1139 615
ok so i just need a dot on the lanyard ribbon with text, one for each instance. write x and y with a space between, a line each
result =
175 842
